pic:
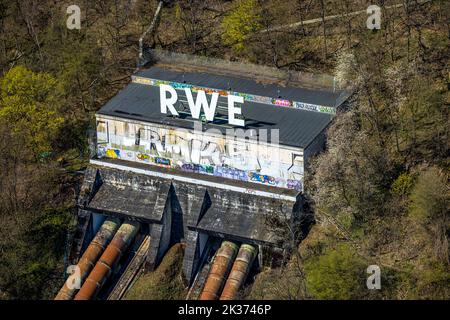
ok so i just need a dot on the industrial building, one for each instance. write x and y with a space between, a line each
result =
200 152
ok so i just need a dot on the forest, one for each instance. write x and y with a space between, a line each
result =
379 192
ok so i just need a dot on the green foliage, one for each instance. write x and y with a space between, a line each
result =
428 212
402 185
178 12
337 274
366 181
430 197
432 282
80 71
240 23
31 264
29 108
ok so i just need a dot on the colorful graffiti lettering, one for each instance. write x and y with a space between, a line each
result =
162 161
143 157
231 173
101 151
327 109
256 177
219 171
207 169
189 167
212 156
294 184
127 155
113 153
281 102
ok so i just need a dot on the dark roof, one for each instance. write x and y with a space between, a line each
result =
143 197
237 84
297 128
242 215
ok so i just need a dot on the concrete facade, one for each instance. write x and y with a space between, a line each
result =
182 212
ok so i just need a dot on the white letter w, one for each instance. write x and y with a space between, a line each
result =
202 101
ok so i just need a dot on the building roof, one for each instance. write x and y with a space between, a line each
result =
261 87
297 127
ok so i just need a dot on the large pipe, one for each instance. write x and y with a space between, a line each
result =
219 271
89 257
108 261
239 272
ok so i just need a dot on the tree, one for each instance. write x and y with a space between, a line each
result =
29 109
33 227
240 23
337 274
370 182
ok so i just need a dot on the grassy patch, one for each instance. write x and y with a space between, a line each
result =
165 282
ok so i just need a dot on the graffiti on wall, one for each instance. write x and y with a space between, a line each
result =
256 177
217 156
113 153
